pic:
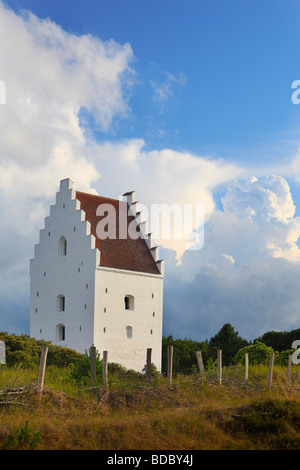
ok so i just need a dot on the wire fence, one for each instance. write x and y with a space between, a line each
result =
228 376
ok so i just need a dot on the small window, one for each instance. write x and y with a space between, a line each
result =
153 314
62 247
104 330
151 332
104 309
60 332
61 303
152 296
128 331
129 302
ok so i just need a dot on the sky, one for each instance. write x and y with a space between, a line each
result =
193 103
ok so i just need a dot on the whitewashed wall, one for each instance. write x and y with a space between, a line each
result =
111 317
71 275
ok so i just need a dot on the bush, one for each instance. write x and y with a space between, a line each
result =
27 351
62 357
282 357
22 439
269 424
155 374
20 350
81 370
258 353
23 358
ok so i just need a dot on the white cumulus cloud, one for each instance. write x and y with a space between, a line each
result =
50 76
248 269
164 177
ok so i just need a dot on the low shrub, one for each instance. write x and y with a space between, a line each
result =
273 423
26 351
258 353
22 439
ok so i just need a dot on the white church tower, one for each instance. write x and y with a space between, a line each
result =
92 288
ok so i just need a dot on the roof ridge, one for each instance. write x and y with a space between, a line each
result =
97 195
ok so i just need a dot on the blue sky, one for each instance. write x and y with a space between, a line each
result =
176 100
234 63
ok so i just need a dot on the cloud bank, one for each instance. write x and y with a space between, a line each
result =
247 272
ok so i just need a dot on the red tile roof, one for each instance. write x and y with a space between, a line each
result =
129 254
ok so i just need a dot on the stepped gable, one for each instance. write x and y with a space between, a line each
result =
128 254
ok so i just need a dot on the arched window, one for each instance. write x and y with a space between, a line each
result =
129 302
128 331
62 247
61 303
60 332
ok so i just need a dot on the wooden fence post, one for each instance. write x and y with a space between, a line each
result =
93 365
289 373
200 363
42 369
104 368
271 370
2 353
220 366
246 367
149 368
170 364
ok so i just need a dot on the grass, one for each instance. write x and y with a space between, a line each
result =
131 415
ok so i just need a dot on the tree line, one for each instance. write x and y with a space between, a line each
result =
233 347
26 350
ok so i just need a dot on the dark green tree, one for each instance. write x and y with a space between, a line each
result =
280 340
184 354
229 341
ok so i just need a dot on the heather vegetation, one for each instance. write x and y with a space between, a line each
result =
191 413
